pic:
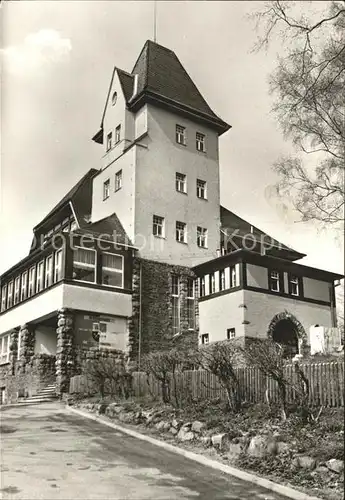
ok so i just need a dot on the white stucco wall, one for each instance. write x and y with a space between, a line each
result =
45 340
217 314
261 308
156 194
69 296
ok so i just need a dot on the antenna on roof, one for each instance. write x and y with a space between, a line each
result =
155 21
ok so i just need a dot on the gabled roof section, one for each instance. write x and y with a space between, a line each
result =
109 228
161 74
75 196
239 228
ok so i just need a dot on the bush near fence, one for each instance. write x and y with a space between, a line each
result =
326 384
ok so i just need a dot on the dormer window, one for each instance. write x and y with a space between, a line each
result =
114 98
109 141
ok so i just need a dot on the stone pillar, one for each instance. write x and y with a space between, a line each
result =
65 351
13 350
27 346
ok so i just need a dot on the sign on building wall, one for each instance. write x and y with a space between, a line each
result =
324 340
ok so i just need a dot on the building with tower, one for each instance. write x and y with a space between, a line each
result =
140 254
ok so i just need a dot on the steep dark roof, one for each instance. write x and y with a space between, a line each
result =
240 227
79 202
109 228
161 74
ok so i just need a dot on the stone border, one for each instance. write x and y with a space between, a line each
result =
227 469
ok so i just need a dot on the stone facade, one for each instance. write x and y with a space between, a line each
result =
154 294
65 352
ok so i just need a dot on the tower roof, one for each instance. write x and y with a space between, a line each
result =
162 80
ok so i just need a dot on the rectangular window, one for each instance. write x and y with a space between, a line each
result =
31 287
230 333
106 189
58 266
158 226
201 237
212 283
233 277
181 233
181 182
180 135
294 285
3 298
274 281
205 339
10 295
200 142
117 134
16 290
48 278
109 141
84 265
190 304
175 302
201 190
23 288
112 270
222 279
4 349
118 180
202 286
39 277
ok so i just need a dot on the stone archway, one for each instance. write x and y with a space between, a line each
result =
285 329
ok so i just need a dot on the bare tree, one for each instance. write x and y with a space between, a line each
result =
109 376
220 358
163 365
268 356
309 84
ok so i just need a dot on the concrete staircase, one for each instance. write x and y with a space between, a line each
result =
45 395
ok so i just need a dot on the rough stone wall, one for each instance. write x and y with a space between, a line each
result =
156 312
65 351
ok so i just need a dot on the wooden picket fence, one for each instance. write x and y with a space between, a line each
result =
326 384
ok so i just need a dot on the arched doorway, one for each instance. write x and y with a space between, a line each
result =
287 331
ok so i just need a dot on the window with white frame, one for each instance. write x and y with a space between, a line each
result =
106 189
180 134
222 279
3 298
181 182
16 290
274 281
294 285
212 283
233 277
117 134
23 288
200 142
158 226
112 270
202 286
230 333
201 237
109 141
10 295
39 277
201 189
31 287
205 338
181 232
58 266
84 264
175 303
48 277
190 304
4 349
118 180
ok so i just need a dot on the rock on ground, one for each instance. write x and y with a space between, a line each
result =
262 446
335 465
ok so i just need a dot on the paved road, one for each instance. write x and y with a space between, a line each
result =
49 453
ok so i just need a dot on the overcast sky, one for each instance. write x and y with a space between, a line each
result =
57 63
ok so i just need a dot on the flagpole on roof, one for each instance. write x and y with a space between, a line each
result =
155 21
